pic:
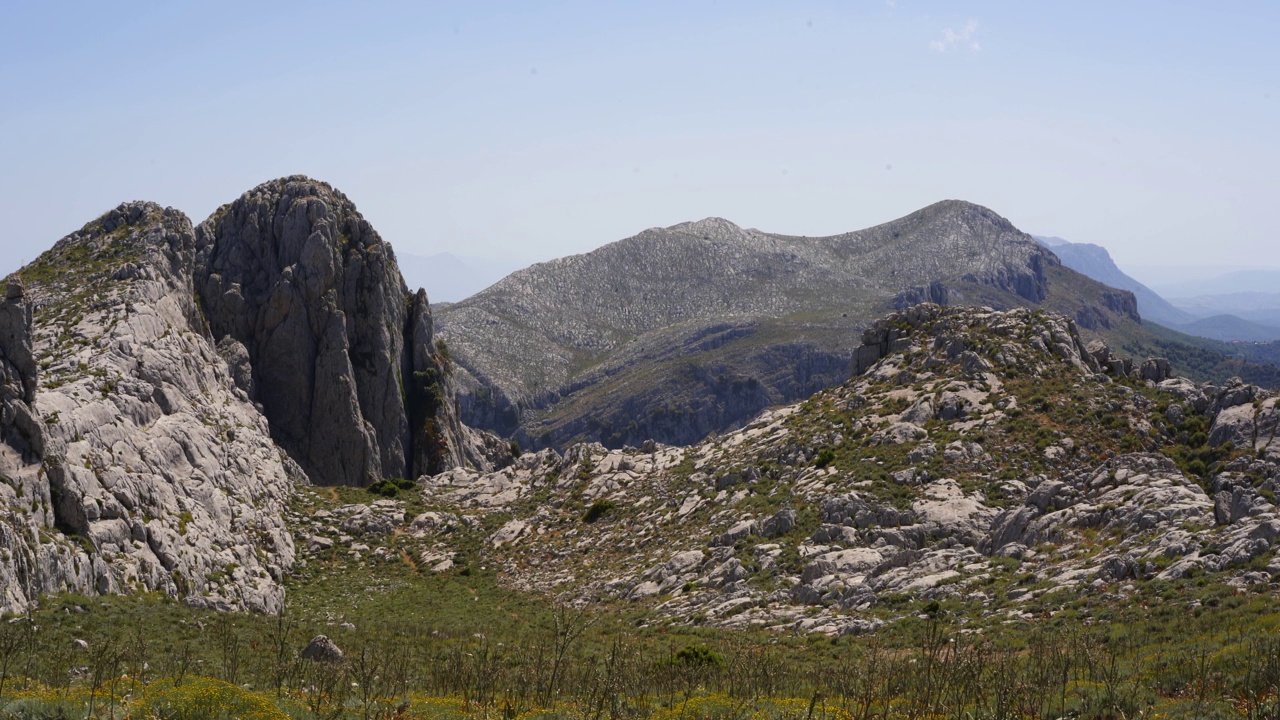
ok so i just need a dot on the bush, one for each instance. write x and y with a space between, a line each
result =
598 509
825 457
390 487
698 656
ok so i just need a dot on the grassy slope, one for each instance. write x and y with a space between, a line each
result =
1191 648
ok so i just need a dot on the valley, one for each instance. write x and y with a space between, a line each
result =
919 469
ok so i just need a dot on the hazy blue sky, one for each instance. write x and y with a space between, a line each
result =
501 130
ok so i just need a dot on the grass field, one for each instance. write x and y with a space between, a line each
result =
419 645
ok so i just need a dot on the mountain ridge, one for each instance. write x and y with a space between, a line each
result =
992 457
1212 317
142 449
560 331
1094 261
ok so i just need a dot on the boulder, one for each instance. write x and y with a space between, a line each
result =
1234 425
726 573
1233 393
323 650
919 413
780 523
738 531
949 512
1156 370
900 433
509 533
1100 353
842 562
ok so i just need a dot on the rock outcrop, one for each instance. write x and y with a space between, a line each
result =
28 565
157 472
342 357
322 649
164 390
23 431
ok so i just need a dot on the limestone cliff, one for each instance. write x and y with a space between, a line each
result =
151 469
28 565
341 355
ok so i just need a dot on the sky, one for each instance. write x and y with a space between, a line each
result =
507 131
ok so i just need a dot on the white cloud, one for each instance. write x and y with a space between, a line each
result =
966 38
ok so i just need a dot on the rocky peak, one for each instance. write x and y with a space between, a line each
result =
711 228
141 360
295 274
340 355
967 212
961 241
978 338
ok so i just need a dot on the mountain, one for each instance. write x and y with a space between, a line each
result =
1262 308
166 388
995 519
451 277
1229 328
681 331
1236 317
1095 262
1261 281
171 396
168 392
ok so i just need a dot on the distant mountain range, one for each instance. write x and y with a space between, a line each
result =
1095 261
1236 316
1262 308
1266 280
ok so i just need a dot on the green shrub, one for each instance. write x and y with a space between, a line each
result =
205 699
390 487
698 656
598 509
825 457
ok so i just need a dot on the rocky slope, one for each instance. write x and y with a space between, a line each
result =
28 565
685 330
156 471
164 389
989 456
